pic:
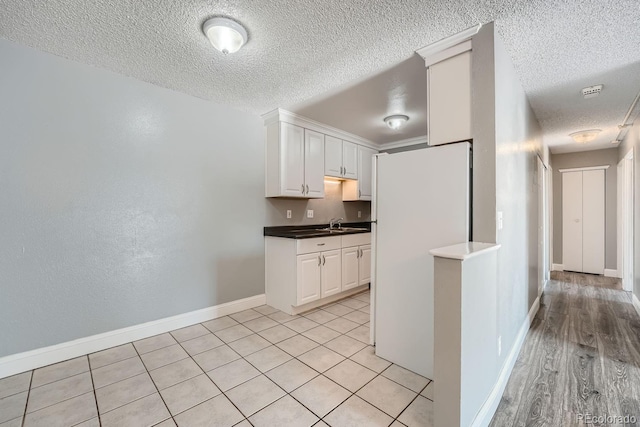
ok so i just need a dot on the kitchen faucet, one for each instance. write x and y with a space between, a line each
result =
333 222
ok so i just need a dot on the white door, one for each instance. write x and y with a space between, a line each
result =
626 253
542 226
308 278
292 160
572 221
350 268
364 264
593 221
331 273
332 156
314 163
350 160
365 168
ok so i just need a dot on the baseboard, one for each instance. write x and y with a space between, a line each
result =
488 409
611 273
21 362
557 267
636 303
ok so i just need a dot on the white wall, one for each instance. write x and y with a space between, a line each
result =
122 202
632 142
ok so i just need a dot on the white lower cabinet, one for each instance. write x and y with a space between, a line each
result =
308 271
356 266
308 268
364 265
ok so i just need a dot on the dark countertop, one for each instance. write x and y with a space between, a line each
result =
316 230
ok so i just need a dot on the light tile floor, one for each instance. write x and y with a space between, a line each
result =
259 367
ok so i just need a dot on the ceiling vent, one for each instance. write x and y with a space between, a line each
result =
591 91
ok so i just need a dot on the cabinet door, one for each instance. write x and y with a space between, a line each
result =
308 275
292 160
365 167
349 160
364 265
332 156
449 100
331 273
314 164
350 267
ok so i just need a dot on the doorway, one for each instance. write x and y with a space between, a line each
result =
625 221
543 225
583 219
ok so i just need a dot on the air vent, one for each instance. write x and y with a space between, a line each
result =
591 91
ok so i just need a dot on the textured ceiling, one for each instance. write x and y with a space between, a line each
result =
360 108
300 49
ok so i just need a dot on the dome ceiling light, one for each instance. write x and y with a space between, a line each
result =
396 121
225 34
584 136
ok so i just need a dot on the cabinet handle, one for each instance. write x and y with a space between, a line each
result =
307 189
357 253
320 244
302 188
359 193
323 260
319 261
345 171
342 170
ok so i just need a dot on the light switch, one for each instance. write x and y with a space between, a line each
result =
309 213
499 219
288 213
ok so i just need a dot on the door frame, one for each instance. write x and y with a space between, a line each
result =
625 220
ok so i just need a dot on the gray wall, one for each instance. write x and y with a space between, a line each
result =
123 202
507 140
584 159
632 142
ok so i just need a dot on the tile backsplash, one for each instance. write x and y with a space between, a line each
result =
331 206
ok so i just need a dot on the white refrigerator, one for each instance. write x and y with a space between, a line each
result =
421 201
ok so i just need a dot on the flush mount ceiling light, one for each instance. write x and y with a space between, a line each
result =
224 34
396 121
584 136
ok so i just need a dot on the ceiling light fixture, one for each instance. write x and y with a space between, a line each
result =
396 121
225 34
584 136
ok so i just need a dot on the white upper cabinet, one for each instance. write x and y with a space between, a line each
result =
340 158
332 156
294 162
349 160
313 164
449 99
362 189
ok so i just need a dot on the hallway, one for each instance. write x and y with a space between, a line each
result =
580 359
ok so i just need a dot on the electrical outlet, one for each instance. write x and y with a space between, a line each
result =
309 213
499 345
359 214
288 213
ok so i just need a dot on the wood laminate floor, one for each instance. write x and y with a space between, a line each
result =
580 358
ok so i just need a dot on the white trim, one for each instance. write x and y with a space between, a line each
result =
448 53
488 409
448 42
611 273
404 143
295 119
636 303
587 168
21 362
557 267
